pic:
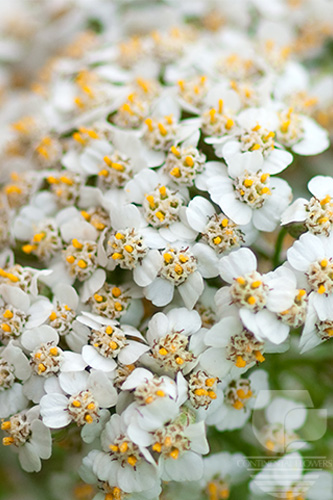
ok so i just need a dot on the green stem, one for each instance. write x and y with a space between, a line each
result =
278 247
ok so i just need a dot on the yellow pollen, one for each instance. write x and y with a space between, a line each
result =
162 129
149 400
244 395
28 248
212 114
76 403
70 259
114 448
285 126
229 123
109 330
162 191
5 425
119 236
255 284
321 289
8 314
116 256
12 189
149 123
123 447
163 351
270 135
167 257
329 332
174 453
160 216
157 447
200 392
238 405
169 119
210 382
220 105
52 180
259 356
251 300
189 161
248 182
323 263
76 244
117 166
240 362
179 360
85 215
41 368
118 306
6 328
38 237
265 190
255 147
103 173
325 200
160 393
88 418
66 180
82 264
270 445
175 151
323 220
7 441
183 258
301 293
175 172
78 137
241 280
132 460
264 177
53 351
178 269
116 292
12 277
113 345
256 128
37 355
98 298
128 248
151 200
91 406
224 222
212 394
181 84
217 240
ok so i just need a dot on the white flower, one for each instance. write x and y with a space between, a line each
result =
221 472
14 367
245 191
258 297
14 308
109 340
32 439
316 214
171 337
316 330
311 256
241 395
78 399
122 462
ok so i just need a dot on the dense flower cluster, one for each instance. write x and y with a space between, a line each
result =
140 178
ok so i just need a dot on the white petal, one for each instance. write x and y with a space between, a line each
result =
237 263
160 292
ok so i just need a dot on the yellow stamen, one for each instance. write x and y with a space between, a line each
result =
162 191
157 447
88 418
109 330
160 215
255 284
251 300
132 460
265 190
259 356
76 244
240 362
5 426
8 314
238 405
229 123
162 351
248 182
167 257
321 289
41 368
149 400
28 248
128 248
212 114
325 200
189 161
212 394
113 345
118 306
116 256
174 453
6 328
38 237
183 258
160 393
149 123
70 259
175 172
116 292
114 448
323 263
217 240
76 403
7 441
210 382
256 128
175 151
162 129
178 269
255 147
241 280
103 172
117 166
200 392
54 351
123 447
82 264
323 220
179 360
151 200
264 177
98 298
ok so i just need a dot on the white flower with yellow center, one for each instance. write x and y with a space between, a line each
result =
246 193
176 269
14 308
300 133
172 339
316 214
258 297
241 395
79 397
287 479
27 434
109 340
183 164
129 465
312 258
163 206
14 368
221 472
316 330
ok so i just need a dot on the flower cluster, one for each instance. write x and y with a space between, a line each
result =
140 188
